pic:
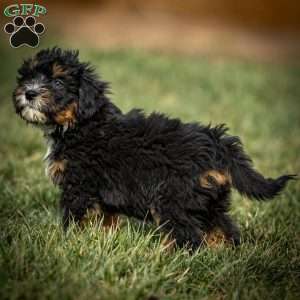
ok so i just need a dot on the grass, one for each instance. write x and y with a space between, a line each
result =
258 102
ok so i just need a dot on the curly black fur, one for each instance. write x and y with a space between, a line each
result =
149 167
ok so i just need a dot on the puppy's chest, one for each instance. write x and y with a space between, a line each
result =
56 163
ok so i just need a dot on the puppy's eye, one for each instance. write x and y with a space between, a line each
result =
58 83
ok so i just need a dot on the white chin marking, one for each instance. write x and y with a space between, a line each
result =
33 115
21 100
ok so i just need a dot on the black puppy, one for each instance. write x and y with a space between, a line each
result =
148 167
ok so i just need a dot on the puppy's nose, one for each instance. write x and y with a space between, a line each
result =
31 94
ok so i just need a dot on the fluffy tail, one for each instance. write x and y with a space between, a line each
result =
245 178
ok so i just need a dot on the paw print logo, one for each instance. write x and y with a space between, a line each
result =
24 32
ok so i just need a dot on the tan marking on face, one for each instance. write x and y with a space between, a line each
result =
55 170
214 176
67 116
20 99
155 216
46 95
19 91
58 70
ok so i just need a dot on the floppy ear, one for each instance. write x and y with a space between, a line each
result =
90 98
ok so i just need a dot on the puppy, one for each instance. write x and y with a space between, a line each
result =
154 168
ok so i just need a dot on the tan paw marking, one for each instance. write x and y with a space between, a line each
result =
215 238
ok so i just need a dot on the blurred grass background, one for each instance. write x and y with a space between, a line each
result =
257 99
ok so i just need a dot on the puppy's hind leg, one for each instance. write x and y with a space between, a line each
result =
230 229
182 230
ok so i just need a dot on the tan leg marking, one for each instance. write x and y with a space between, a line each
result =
111 221
215 238
96 213
92 214
155 216
167 242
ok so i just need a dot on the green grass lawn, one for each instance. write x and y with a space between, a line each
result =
260 103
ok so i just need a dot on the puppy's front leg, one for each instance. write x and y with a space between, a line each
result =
96 213
81 208
74 204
